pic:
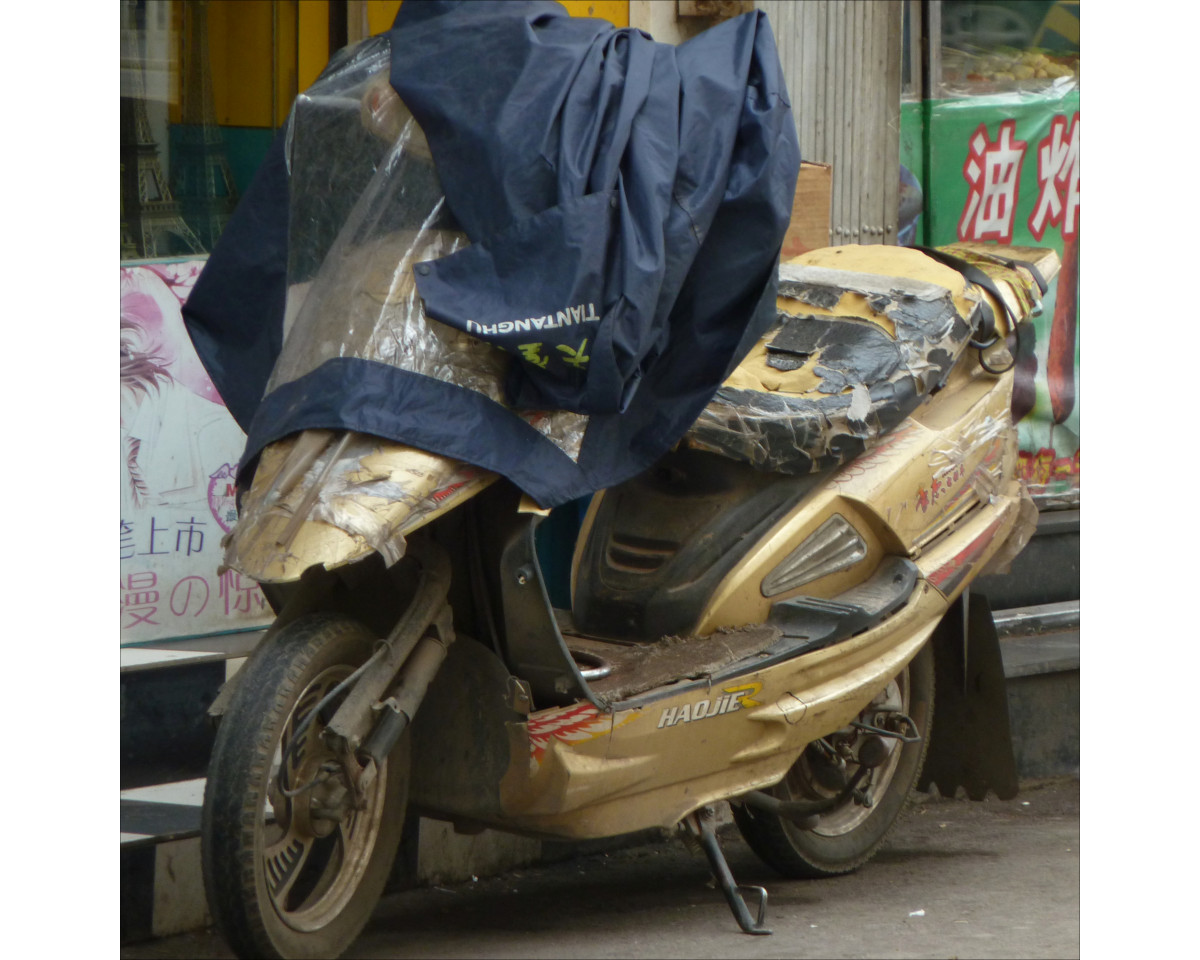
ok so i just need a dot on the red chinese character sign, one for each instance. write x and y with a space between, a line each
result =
1004 169
994 172
1058 180
179 449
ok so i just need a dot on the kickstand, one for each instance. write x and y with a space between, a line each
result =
701 825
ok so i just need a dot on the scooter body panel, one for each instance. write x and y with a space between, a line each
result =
581 773
317 502
914 488
577 772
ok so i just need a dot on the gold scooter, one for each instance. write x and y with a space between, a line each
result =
760 619
736 634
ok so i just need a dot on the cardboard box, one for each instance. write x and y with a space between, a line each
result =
809 229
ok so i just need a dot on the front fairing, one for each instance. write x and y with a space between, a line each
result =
365 208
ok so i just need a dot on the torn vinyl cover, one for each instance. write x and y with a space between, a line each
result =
546 269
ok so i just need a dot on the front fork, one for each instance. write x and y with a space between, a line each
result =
371 718
392 715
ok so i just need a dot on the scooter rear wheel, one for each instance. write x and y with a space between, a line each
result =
849 835
296 875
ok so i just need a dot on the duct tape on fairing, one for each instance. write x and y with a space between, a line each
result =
370 489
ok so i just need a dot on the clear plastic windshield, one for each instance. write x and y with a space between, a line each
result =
366 207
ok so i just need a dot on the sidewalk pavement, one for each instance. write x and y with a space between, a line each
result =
957 879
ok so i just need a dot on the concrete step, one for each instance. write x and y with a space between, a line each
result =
166 740
1040 649
166 689
1045 572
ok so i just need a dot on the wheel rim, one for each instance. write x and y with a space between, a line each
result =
811 776
309 863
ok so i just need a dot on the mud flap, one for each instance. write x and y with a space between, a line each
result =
971 744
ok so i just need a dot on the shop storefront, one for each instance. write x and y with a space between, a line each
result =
204 88
990 131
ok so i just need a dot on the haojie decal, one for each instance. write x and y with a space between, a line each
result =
731 699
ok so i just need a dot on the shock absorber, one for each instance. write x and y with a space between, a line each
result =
398 709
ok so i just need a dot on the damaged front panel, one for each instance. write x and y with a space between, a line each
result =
330 498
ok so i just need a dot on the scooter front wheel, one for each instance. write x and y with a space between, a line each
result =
293 865
848 835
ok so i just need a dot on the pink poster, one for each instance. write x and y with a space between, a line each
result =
179 451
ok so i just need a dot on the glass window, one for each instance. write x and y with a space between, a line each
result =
204 86
992 46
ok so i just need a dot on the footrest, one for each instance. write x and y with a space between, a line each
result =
822 622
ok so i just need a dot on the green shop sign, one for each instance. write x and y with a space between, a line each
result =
1004 169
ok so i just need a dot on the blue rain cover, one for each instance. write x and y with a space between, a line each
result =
626 201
